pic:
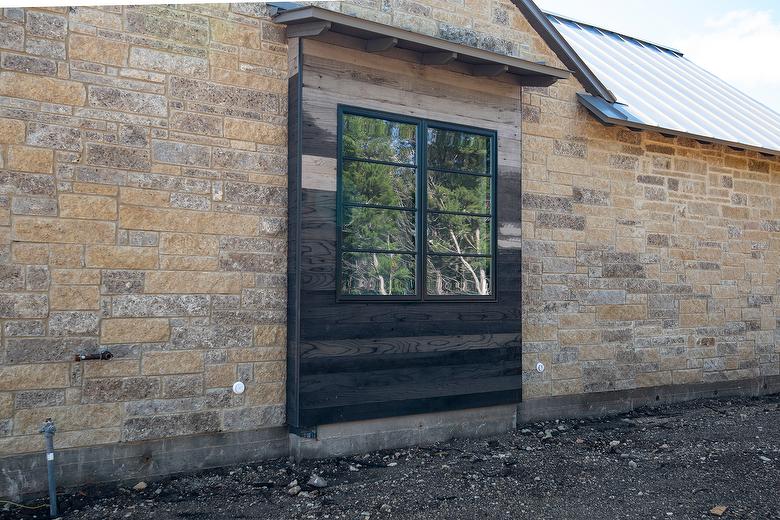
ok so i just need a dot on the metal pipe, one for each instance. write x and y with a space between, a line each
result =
104 355
48 429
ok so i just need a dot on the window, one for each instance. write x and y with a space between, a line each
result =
416 209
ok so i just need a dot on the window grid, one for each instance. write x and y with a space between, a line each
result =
421 210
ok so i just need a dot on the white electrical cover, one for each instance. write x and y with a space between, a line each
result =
238 387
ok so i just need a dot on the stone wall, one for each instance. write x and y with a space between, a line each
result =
648 260
143 210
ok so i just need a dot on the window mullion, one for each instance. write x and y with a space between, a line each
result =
422 206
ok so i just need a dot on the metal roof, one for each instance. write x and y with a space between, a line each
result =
658 88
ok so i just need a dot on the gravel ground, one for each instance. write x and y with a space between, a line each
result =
671 462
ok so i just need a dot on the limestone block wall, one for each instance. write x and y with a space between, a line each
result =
648 260
143 200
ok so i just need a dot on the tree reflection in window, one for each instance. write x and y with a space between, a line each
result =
416 204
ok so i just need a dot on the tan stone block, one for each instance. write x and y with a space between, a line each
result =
682 377
179 220
262 57
255 131
270 335
87 206
139 197
233 33
95 189
135 330
34 377
192 282
621 312
114 368
265 393
539 332
68 418
223 60
693 320
271 371
74 297
6 405
220 376
567 387
189 263
533 389
64 439
98 50
249 80
576 321
11 131
29 159
66 255
172 362
566 371
188 244
249 355
34 229
75 276
27 253
591 352
121 257
653 379
42 88
579 337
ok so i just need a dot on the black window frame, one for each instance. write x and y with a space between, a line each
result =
421 207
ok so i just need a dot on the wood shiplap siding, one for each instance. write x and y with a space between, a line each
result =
360 360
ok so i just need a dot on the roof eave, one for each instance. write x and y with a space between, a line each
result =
310 21
607 114
544 27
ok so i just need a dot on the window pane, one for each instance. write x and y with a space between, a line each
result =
379 139
370 183
451 150
377 273
371 228
456 275
458 234
458 192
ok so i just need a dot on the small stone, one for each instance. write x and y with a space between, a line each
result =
526 431
294 490
718 510
140 486
391 464
293 483
562 428
632 464
385 508
614 444
317 481
353 468
764 459
365 515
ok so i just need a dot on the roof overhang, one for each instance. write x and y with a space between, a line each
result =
312 22
613 114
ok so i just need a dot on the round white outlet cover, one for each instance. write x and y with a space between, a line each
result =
238 387
540 367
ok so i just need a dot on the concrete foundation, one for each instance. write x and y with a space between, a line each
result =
334 440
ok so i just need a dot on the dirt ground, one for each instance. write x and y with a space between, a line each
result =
672 462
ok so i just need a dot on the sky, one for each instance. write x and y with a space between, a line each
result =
738 41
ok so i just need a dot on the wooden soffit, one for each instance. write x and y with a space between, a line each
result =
315 22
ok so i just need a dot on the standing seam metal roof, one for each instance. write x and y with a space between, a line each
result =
657 87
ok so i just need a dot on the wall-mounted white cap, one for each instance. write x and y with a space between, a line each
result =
540 367
238 387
